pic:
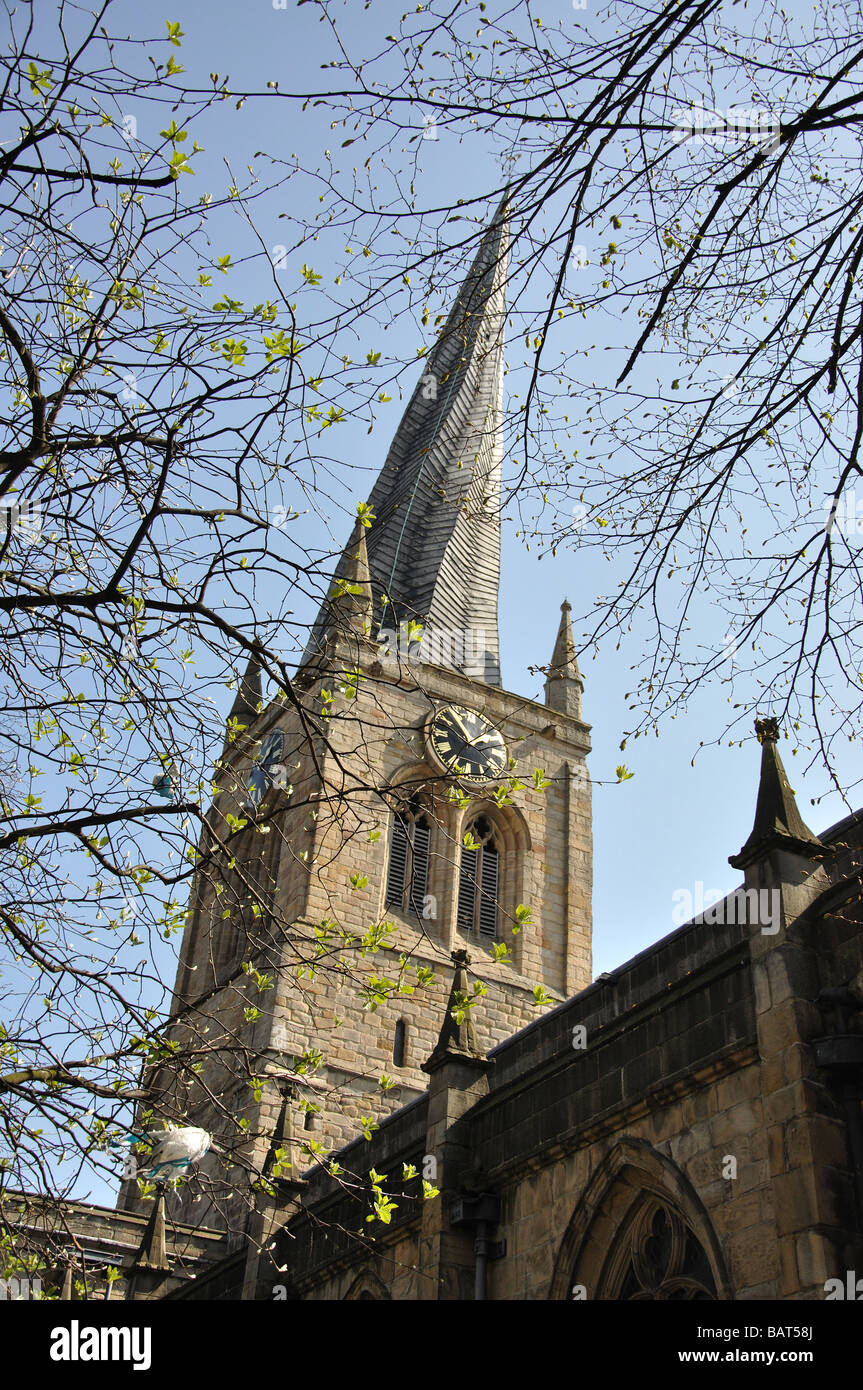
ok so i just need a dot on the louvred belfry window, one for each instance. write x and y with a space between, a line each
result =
408 871
479 881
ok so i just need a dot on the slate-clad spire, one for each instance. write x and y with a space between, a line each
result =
778 823
564 685
434 547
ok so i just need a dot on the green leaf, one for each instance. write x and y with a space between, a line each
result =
178 164
40 82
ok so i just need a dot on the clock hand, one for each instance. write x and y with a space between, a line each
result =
460 723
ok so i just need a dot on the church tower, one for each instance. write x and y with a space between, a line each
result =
396 805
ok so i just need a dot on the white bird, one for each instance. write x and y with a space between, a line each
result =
174 1149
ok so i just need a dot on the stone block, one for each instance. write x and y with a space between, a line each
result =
815 1260
797 1200
782 1105
761 986
738 1213
754 1255
789 1276
737 1122
778 1029
776 1155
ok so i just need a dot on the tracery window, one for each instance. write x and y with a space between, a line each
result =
479 881
666 1262
408 871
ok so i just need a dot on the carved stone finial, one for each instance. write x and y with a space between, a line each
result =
460 958
767 729
566 606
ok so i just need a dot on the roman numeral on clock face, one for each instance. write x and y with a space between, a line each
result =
467 743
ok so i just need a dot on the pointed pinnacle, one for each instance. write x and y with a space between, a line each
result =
248 697
457 1040
356 574
153 1252
564 683
564 664
778 823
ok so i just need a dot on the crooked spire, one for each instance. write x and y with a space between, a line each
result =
564 685
433 550
778 823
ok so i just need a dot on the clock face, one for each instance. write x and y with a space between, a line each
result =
264 766
466 744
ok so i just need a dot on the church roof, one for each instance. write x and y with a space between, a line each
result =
434 546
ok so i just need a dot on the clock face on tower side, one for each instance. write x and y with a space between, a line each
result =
466 744
263 769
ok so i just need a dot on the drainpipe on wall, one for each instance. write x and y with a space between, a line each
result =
482 1211
480 1250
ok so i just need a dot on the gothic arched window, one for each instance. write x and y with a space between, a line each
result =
408 872
479 880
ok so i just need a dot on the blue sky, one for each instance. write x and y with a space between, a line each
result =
671 824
